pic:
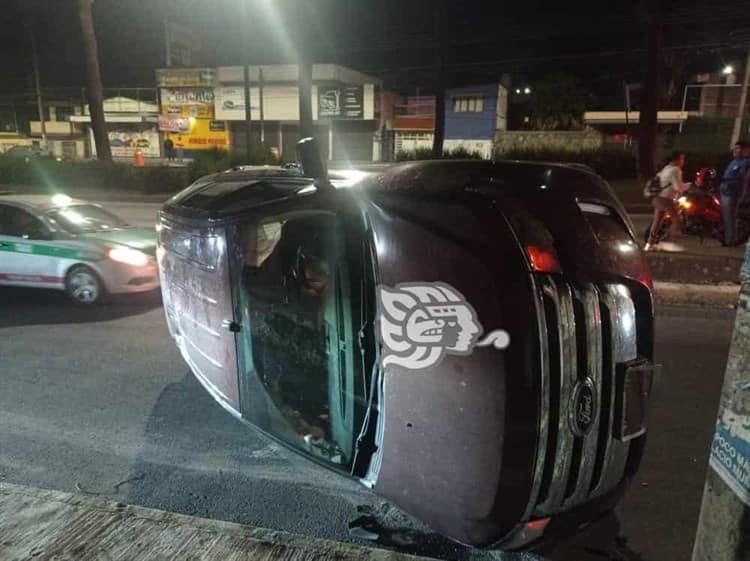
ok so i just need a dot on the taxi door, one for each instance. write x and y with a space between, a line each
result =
28 256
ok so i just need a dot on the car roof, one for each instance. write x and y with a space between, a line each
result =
39 203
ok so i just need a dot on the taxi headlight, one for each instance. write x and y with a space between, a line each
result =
128 256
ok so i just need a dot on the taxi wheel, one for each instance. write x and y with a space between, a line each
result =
83 286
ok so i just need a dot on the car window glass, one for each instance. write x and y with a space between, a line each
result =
19 223
78 219
301 303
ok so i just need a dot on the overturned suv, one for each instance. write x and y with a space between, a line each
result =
471 340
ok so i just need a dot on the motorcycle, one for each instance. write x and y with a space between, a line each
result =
699 212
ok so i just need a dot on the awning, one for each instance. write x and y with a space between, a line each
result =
619 117
116 118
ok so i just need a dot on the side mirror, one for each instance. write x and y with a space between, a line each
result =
310 159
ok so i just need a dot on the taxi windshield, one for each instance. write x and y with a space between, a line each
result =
79 219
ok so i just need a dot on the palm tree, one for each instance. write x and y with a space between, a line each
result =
94 81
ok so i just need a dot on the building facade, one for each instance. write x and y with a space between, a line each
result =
131 125
474 117
206 108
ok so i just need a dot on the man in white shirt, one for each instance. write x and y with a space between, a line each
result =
670 180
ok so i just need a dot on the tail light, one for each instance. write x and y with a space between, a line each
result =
543 259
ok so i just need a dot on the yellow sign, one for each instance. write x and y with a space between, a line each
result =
200 136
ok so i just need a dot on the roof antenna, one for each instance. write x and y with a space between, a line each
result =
311 161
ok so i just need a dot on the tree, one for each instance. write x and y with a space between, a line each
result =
557 104
439 136
647 126
94 81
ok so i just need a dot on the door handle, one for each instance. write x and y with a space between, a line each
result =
231 326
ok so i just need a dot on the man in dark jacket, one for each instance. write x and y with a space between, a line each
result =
732 186
169 149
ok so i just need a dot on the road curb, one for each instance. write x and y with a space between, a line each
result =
702 295
696 269
52 524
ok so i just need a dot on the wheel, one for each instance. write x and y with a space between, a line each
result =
83 286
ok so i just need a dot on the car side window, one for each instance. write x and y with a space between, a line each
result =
21 224
301 303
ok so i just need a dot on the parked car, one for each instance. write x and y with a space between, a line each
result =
28 153
73 245
471 340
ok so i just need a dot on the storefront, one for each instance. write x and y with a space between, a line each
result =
186 110
131 126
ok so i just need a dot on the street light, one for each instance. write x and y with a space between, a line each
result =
727 70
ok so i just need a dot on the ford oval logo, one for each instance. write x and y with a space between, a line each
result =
583 407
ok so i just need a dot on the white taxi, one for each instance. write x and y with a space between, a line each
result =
73 245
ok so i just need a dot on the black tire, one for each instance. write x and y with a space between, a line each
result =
83 286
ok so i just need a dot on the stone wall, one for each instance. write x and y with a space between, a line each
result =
573 141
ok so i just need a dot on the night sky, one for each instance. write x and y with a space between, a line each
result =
398 40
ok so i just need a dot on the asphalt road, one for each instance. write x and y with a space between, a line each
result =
99 401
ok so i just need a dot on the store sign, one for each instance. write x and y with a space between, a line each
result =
229 104
182 77
171 124
187 96
217 126
124 144
340 102
202 135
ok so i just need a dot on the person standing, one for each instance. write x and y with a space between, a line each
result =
670 181
731 188
169 149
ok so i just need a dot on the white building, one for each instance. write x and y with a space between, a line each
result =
198 110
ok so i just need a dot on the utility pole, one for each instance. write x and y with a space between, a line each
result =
743 100
260 102
439 136
248 122
724 523
94 81
305 97
38 89
647 126
246 79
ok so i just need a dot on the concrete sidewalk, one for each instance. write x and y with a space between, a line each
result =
41 524
687 260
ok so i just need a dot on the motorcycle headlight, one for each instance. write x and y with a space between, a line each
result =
128 256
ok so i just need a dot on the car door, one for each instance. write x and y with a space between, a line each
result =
301 304
29 257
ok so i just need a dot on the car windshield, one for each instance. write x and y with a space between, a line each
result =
79 219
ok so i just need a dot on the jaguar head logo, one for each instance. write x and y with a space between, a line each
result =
420 323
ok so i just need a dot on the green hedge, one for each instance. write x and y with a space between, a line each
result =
51 175
214 160
426 154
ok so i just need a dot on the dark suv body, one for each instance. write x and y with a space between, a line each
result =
471 340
